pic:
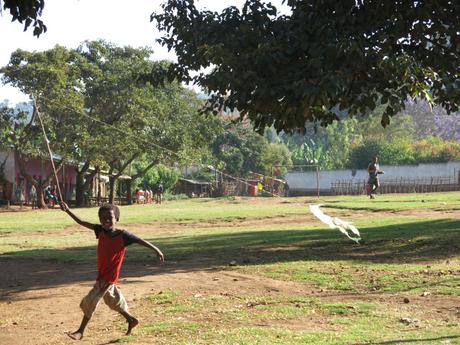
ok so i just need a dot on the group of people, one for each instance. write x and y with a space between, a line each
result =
147 195
143 196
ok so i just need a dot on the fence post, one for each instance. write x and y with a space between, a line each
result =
458 180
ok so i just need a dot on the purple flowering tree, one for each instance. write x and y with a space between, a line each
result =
433 121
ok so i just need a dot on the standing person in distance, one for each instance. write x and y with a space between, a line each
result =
33 197
158 192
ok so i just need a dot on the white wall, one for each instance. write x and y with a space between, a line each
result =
307 180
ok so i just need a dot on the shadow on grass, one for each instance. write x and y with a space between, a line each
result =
410 341
401 243
410 242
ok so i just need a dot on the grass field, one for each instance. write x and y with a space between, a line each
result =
294 281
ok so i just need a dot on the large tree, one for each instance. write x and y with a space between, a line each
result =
56 80
161 123
50 76
324 58
117 107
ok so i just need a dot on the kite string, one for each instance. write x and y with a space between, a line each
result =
49 149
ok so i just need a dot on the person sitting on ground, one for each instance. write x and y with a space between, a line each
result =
374 170
110 253
50 196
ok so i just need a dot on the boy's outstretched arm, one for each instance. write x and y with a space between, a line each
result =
67 210
151 246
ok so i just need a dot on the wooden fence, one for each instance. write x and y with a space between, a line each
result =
241 188
399 185
230 188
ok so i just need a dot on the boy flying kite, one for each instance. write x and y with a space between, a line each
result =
110 253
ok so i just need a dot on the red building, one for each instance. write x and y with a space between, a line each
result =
15 188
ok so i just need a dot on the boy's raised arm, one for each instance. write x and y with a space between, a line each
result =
151 246
67 210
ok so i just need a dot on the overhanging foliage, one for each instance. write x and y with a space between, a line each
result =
26 12
324 59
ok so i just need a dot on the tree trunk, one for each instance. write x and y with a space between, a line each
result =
41 204
83 184
79 191
113 178
112 181
39 187
129 193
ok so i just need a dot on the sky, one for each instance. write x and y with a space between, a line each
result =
70 22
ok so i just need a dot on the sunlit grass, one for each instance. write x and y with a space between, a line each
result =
174 211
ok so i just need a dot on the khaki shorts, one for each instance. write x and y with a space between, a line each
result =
111 295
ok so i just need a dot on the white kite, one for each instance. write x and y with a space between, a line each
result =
337 223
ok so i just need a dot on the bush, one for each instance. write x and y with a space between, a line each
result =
276 155
436 150
167 176
362 154
392 153
430 150
397 153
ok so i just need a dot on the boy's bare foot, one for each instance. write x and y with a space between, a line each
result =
75 335
133 322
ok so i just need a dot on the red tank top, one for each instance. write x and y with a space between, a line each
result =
110 254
